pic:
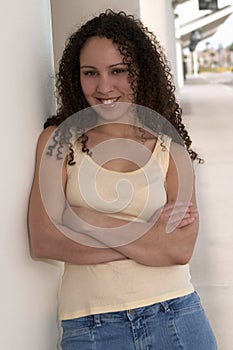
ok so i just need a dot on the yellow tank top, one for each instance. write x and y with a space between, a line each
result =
124 284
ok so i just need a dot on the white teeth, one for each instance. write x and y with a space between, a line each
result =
108 102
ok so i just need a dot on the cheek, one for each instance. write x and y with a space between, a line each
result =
124 85
88 86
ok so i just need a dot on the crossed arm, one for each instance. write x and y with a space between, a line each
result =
154 248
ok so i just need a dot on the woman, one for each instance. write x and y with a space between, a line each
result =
124 220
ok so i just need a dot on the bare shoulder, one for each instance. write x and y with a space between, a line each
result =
179 157
43 143
44 137
177 149
180 174
48 131
47 146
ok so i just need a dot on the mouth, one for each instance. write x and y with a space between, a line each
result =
108 101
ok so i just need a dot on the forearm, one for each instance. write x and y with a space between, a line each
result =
57 242
158 248
145 243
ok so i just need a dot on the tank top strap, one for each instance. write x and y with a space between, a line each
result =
162 152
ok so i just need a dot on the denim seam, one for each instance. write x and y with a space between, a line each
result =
172 324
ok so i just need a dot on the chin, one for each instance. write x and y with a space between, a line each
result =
115 112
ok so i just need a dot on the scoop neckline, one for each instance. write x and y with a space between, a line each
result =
153 153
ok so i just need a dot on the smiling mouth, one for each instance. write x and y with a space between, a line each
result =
108 101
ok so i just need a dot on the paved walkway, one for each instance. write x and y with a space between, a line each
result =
208 114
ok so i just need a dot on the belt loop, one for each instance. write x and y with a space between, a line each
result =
97 320
165 306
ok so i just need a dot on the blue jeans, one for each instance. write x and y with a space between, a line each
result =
176 324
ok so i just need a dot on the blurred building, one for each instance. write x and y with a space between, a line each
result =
211 59
197 20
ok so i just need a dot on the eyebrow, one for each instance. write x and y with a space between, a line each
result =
112 65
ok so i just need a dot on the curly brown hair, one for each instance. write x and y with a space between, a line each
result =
148 69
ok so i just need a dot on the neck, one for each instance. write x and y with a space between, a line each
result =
118 130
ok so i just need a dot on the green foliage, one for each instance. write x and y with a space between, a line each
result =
230 48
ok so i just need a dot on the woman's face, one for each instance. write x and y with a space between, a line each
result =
103 75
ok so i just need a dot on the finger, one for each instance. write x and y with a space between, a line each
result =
183 214
179 214
178 220
186 222
178 206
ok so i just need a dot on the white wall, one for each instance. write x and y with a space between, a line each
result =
27 288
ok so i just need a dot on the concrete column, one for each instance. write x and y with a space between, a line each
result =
195 63
158 16
28 288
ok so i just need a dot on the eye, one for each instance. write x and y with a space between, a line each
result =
118 71
89 73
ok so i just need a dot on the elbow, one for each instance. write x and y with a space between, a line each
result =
183 259
36 249
37 243
35 236
35 255
183 251
184 256
157 258
162 259
41 242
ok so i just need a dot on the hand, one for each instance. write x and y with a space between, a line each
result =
177 215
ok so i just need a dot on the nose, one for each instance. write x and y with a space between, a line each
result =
104 84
